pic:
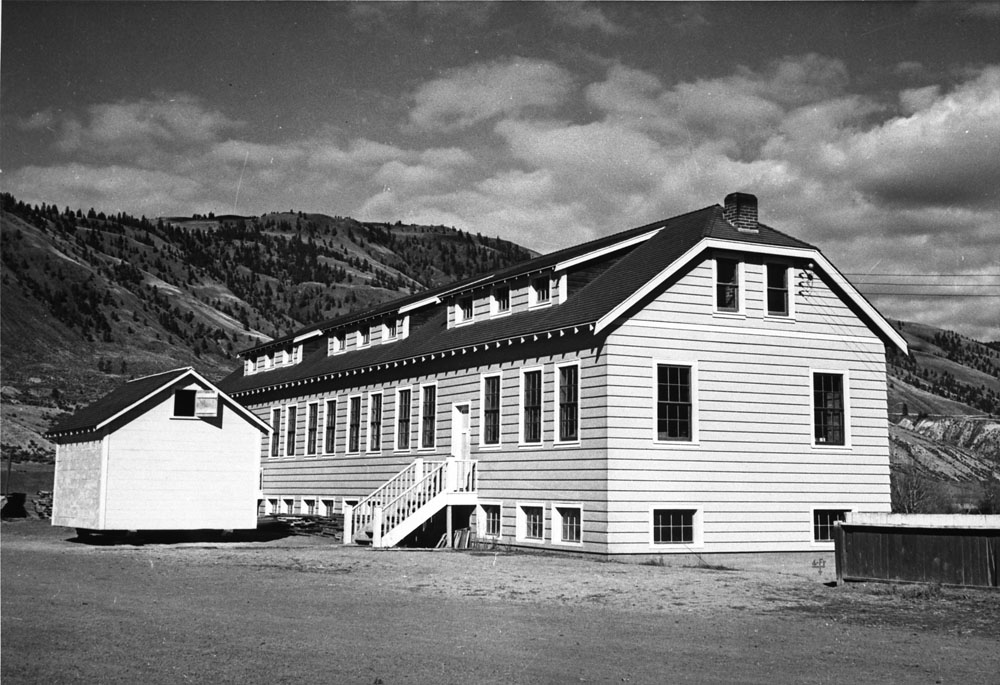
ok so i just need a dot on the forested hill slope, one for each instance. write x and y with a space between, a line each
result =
90 300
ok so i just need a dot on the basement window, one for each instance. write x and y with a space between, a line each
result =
823 523
675 526
184 401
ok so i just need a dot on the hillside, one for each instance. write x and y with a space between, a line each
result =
91 300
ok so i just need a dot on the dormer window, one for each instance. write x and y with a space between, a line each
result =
364 336
541 291
391 329
336 344
501 300
465 310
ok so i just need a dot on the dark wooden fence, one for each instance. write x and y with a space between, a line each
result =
917 551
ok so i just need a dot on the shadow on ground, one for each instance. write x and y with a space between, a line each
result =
266 531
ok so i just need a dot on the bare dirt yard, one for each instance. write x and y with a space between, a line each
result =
304 610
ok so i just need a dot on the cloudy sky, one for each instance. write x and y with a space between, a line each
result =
869 129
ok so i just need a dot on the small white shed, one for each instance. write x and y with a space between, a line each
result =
164 452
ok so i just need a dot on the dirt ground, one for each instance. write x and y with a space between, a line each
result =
303 610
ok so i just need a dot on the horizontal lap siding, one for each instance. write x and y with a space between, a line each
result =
551 473
753 473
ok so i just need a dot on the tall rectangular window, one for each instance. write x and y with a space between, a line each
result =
534 523
354 426
365 335
828 408
312 428
569 523
403 427
777 290
465 309
531 406
330 426
673 402
491 520
375 422
292 430
673 526
542 290
275 431
491 410
428 416
569 403
727 285
391 329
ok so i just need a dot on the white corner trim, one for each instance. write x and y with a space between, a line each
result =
419 304
608 249
306 336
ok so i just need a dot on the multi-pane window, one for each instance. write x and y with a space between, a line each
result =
275 431
309 507
569 403
391 328
823 520
531 406
375 422
428 415
292 430
338 343
672 526
312 428
777 290
673 402
828 408
366 335
542 290
534 523
570 523
329 507
403 419
354 425
465 310
501 299
727 285
330 427
491 520
491 410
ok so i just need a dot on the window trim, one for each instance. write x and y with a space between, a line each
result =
481 519
337 344
437 416
312 432
361 341
372 434
695 423
390 330
482 411
541 407
277 433
740 311
845 375
291 430
459 310
533 301
350 401
789 315
398 416
557 437
330 445
521 522
556 531
697 526
827 544
495 311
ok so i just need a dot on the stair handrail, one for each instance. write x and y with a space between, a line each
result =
364 510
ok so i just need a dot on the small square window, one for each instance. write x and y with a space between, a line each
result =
823 523
673 526
184 401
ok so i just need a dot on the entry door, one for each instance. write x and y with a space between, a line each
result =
460 429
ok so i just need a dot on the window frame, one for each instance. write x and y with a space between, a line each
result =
558 438
374 437
434 426
845 391
692 365
277 434
463 314
559 521
521 415
495 309
521 522
697 525
814 512
397 423
533 291
312 429
483 443
291 429
337 344
192 398
330 428
364 338
354 429
740 285
482 520
789 313
390 330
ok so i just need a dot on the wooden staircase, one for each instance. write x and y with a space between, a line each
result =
408 499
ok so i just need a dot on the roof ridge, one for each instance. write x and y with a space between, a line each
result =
160 373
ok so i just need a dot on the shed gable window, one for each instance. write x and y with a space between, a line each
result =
674 403
777 290
727 285
828 409
184 402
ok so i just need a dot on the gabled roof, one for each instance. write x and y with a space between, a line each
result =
131 395
654 253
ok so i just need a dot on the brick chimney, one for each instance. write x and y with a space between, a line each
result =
741 211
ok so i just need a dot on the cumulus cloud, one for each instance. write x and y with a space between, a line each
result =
467 96
584 16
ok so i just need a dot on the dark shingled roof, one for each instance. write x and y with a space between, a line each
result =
612 287
90 417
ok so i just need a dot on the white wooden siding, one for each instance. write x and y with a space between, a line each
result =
76 495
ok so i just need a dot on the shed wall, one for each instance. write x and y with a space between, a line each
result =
76 496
